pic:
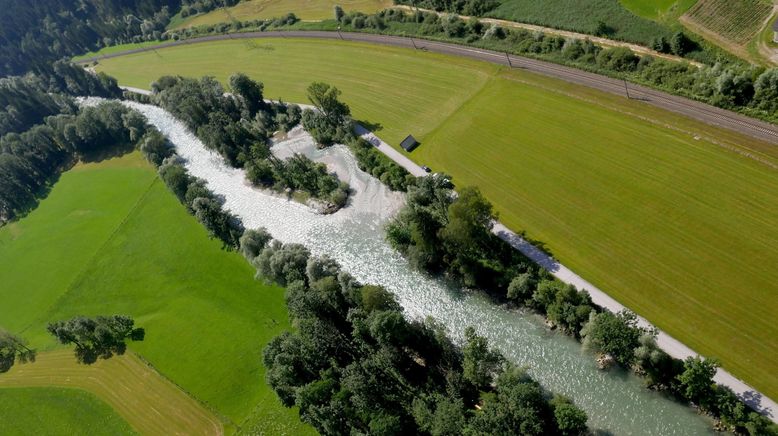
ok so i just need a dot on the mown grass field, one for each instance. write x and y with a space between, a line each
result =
262 9
110 238
682 230
57 411
121 388
114 49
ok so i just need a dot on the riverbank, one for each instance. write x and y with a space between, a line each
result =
354 238
673 347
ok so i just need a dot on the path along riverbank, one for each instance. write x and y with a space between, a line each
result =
672 346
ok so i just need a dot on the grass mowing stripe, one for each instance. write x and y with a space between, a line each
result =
148 402
620 191
97 251
206 318
58 411
38 266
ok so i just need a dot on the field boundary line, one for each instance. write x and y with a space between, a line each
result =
99 249
58 368
222 418
476 92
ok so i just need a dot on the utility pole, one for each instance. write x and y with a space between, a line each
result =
510 64
626 88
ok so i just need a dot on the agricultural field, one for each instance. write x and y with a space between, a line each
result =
56 411
55 377
114 240
583 16
729 24
575 168
658 9
260 9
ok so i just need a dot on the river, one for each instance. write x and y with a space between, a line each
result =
616 401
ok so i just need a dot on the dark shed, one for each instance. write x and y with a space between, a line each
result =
409 143
775 30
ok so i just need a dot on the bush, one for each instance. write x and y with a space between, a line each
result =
617 335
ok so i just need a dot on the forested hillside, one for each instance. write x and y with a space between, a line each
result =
32 34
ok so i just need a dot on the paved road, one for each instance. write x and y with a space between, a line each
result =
700 111
672 346
693 109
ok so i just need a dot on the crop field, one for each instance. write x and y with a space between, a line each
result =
669 224
657 9
583 16
110 238
728 23
262 9
56 411
56 379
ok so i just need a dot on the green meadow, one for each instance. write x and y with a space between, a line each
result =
57 411
677 220
109 239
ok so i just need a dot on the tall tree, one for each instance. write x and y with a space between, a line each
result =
99 337
13 349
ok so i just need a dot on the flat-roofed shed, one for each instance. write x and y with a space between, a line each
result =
409 143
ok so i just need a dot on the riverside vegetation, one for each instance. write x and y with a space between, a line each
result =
313 373
238 126
283 264
451 234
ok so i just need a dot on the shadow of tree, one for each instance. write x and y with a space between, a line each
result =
371 126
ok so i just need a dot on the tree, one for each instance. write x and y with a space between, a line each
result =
616 335
175 177
766 91
253 242
155 147
697 380
570 420
12 349
339 13
325 98
99 337
519 407
680 44
522 287
250 91
283 264
480 363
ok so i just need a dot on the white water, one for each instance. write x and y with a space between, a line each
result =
615 402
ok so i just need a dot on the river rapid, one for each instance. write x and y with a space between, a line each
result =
616 401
